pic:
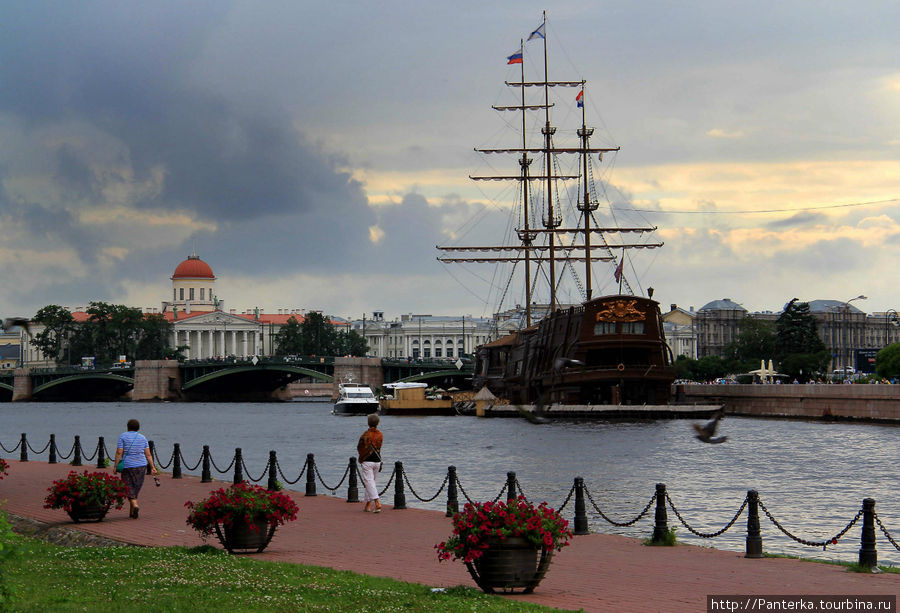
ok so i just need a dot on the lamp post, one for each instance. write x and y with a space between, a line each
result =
845 357
890 319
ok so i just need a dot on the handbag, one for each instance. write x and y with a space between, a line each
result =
377 455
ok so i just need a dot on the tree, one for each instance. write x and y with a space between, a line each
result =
319 336
755 341
58 326
289 339
798 349
887 361
153 338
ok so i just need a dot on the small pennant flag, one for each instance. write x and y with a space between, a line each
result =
618 273
579 99
515 58
539 33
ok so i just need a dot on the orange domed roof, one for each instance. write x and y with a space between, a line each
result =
193 268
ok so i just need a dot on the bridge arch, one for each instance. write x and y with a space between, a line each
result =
293 373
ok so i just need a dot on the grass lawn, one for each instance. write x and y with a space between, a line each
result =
43 577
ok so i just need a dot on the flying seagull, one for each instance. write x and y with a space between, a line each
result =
707 431
12 322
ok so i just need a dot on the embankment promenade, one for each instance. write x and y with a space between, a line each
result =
596 573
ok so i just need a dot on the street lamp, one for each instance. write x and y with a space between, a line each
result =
893 321
845 358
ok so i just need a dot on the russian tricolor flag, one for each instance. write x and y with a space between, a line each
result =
515 58
579 99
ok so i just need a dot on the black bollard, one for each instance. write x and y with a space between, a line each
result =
661 527
510 486
754 536
152 446
272 485
868 556
176 461
310 474
76 461
23 449
452 501
52 449
352 487
206 474
581 523
238 466
101 454
399 495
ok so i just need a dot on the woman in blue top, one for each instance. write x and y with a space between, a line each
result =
135 451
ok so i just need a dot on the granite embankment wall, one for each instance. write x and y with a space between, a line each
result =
858 402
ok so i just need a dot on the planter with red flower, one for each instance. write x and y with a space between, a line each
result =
86 496
506 545
4 468
243 517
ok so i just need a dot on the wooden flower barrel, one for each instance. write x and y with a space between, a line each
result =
243 537
88 511
510 564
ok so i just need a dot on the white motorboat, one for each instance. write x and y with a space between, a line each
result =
355 399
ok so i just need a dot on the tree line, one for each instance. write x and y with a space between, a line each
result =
114 330
792 342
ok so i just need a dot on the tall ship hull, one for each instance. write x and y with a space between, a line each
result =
610 350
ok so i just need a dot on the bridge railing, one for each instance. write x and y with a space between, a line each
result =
660 501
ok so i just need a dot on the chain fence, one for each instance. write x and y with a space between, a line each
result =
579 491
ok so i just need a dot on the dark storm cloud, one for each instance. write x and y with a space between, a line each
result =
124 72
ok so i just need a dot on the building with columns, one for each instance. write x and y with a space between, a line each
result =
415 337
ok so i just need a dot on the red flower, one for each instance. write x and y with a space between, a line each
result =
240 502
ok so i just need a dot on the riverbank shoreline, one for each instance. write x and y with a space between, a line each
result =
597 572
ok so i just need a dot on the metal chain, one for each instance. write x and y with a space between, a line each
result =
823 544
285 479
883 529
184 462
46 447
325 485
440 489
613 522
19 444
105 451
500 495
521 493
707 535
65 456
386 487
463 490
228 469
159 462
90 458
247 472
566 501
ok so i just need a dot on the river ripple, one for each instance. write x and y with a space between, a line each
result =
812 476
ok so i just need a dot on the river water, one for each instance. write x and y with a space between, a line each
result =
812 476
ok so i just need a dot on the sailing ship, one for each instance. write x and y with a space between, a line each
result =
609 349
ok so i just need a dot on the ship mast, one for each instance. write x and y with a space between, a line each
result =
552 250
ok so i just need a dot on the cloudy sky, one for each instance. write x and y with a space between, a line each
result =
315 153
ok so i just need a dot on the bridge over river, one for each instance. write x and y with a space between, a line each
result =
220 380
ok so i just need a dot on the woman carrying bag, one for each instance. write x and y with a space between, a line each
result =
369 450
134 453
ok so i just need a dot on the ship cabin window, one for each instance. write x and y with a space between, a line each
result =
604 327
632 327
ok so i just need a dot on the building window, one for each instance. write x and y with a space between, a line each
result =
449 352
202 292
437 352
416 353
427 352
181 293
191 291
174 294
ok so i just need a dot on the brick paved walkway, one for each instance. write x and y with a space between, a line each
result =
596 573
